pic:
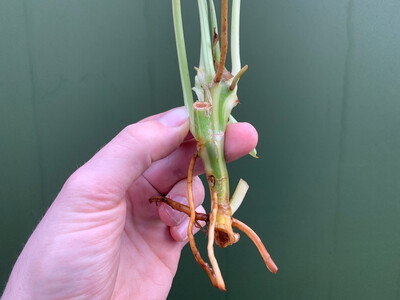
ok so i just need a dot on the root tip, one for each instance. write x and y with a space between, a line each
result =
222 287
272 266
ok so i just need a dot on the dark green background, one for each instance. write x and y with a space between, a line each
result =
323 90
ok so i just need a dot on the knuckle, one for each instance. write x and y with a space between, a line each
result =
89 186
133 135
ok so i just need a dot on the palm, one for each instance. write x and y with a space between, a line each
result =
148 254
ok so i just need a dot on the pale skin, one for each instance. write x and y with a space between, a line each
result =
102 238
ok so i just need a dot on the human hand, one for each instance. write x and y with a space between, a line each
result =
101 238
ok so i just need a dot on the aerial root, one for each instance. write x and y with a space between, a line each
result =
235 223
224 40
211 239
257 241
179 207
237 77
210 272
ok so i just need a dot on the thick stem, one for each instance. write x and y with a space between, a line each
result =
212 154
211 124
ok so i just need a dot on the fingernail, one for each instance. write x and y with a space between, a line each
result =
175 215
174 117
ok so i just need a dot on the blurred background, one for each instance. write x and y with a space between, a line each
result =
323 91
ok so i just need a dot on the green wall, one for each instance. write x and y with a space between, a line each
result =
323 90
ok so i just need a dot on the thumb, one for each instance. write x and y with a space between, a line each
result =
118 164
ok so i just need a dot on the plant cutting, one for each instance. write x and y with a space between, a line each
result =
216 91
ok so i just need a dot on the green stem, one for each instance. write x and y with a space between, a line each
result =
182 59
211 121
214 26
206 45
235 53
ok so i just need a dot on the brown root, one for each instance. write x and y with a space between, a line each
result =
182 208
214 279
257 241
235 222
210 245
224 40
179 207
